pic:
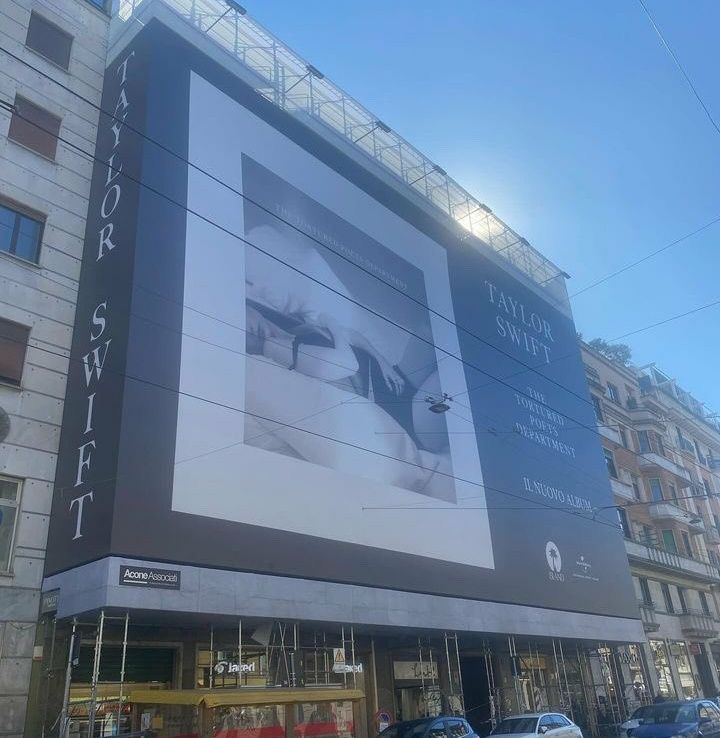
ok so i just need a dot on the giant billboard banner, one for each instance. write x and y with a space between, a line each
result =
274 324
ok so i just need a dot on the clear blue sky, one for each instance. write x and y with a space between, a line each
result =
570 120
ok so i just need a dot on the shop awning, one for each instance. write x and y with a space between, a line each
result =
221 697
167 696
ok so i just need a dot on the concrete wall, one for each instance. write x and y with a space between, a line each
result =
216 593
41 296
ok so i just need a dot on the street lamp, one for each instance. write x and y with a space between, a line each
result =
438 405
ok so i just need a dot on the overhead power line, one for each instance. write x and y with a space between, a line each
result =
294 427
680 67
121 172
599 480
645 258
295 227
319 242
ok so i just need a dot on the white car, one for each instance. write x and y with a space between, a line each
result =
550 724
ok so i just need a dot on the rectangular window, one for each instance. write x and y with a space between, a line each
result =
613 393
20 231
704 603
9 504
648 535
623 436
636 488
610 461
687 545
645 589
598 408
669 607
681 597
682 663
49 40
666 687
13 345
34 127
698 453
669 541
706 486
673 491
624 523
660 445
644 442
656 493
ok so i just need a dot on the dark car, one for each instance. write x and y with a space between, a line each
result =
436 727
689 719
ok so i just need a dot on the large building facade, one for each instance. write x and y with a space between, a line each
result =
327 456
49 52
661 446
320 465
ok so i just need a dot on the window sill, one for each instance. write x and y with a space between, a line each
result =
10 385
7 574
22 260
21 145
47 59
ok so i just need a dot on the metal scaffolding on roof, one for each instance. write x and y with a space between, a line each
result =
301 89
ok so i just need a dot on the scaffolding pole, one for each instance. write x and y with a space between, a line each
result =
122 670
422 677
95 675
64 722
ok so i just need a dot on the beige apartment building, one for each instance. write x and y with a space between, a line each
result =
51 49
662 449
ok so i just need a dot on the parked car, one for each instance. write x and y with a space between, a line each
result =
634 721
688 719
551 724
434 727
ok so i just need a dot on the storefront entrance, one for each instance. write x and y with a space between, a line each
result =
274 679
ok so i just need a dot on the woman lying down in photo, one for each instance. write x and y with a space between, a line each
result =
323 370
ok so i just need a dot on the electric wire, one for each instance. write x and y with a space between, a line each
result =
645 258
317 281
372 274
291 426
599 480
680 66
245 197
120 172
92 157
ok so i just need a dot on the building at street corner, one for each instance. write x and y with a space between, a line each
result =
328 456
49 52
662 448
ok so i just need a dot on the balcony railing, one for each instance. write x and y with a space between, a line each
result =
698 625
673 561
647 615
667 511
290 82
653 460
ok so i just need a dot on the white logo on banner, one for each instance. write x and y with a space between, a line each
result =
554 562
228 667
